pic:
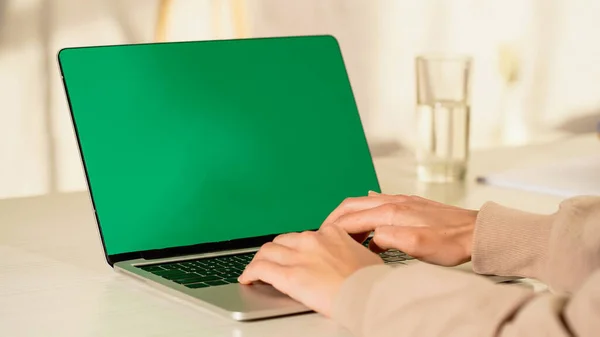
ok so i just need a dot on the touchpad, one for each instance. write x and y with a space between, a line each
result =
247 298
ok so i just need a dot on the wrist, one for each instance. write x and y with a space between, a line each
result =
468 235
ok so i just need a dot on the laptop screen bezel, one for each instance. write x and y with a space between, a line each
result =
211 247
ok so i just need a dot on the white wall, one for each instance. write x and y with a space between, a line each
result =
553 40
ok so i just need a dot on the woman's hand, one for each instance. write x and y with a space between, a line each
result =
427 230
310 267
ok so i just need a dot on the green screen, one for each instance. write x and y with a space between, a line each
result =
194 142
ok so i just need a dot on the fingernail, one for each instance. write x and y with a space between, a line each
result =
373 192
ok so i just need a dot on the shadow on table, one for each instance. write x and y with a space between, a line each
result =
583 124
382 149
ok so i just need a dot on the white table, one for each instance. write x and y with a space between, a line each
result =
54 280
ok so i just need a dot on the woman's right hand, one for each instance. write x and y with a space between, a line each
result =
427 230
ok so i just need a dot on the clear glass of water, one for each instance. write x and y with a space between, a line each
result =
443 114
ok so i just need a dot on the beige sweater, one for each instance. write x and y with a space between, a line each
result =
561 250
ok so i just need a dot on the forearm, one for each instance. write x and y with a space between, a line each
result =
423 300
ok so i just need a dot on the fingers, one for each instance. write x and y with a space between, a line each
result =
277 253
267 271
291 240
411 240
298 241
361 203
374 199
271 258
415 199
367 220
309 240
375 248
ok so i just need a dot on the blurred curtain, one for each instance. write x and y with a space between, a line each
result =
548 44
23 153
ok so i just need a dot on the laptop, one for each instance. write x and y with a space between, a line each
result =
197 153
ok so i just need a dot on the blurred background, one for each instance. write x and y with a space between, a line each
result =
535 74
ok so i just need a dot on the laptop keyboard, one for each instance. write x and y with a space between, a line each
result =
222 270
202 273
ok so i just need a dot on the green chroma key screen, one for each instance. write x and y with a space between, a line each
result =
193 142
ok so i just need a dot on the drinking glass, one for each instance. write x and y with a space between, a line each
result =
443 114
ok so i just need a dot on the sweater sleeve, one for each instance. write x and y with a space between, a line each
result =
424 300
562 249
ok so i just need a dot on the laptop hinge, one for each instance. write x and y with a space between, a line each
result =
206 247
156 254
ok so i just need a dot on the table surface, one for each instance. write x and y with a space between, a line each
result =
54 280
